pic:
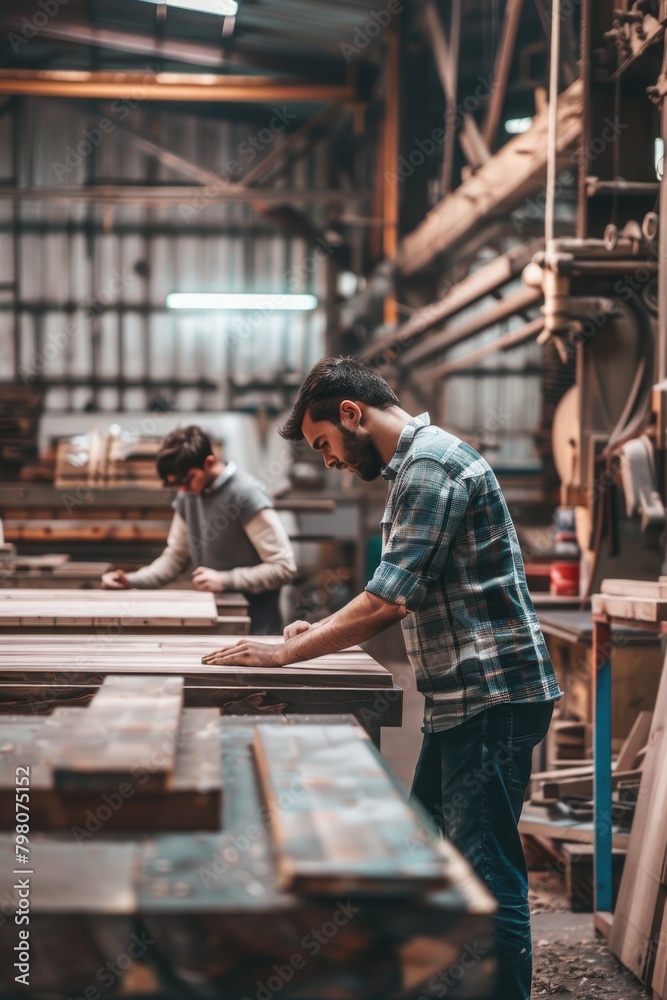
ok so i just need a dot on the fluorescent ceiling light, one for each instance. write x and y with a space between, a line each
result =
217 300
225 8
514 126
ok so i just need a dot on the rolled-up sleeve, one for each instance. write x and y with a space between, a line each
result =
427 513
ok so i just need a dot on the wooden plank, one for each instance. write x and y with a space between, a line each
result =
25 608
635 742
583 786
642 609
652 589
67 659
639 899
372 707
192 802
132 722
540 822
345 827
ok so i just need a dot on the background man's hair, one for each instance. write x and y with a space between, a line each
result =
184 449
327 384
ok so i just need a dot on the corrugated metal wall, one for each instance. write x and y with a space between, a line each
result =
124 260
498 407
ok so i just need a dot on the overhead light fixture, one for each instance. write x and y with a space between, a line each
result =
269 301
224 8
515 126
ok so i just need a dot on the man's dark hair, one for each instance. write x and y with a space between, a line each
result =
327 384
184 449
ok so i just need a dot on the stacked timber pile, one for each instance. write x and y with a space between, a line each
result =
230 842
20 408
76 755
557 824
106 461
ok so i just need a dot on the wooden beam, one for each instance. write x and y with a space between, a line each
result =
481 282
502 70
338 823
485 318
130 85
390 158
472 143
449 148
520 336
177 194
515 173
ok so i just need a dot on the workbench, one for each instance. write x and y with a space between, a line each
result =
115 612
320 880
38 673
637 668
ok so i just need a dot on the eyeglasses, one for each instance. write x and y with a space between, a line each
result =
184 483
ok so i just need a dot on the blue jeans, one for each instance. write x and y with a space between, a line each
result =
472 779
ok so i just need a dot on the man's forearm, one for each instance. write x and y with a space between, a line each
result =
361 619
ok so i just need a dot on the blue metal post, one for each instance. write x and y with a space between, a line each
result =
602 766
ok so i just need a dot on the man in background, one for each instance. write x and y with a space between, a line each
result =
224 525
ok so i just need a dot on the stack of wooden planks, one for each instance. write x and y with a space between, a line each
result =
639 930
557 824
633 600
394 907
132 760
106 461
127 610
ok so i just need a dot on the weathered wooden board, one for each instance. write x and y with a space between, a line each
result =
213 905
651 589
193 800
640 609
638 915
130 719
338 823
79 659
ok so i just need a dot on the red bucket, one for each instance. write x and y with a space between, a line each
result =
564 579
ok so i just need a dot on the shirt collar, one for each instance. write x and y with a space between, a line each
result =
390 470
220 480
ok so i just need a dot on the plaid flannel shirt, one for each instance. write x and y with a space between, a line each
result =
451 556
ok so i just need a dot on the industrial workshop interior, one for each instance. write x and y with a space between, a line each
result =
333 488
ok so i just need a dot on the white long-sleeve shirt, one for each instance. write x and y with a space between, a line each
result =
267 535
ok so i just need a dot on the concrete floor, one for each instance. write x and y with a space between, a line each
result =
569 960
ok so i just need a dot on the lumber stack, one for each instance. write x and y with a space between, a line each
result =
106 461
216 902
558 821
134 752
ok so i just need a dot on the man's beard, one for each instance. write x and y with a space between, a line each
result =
360 453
